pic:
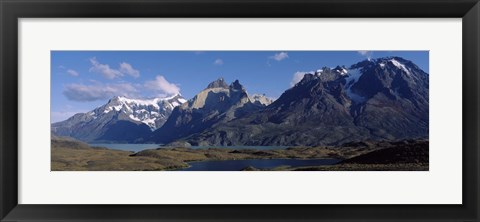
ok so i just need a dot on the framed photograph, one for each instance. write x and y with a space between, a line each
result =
225 110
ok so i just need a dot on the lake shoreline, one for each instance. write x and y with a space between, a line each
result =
254 164
69 155
140 147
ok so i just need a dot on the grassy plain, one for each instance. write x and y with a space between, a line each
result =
71 155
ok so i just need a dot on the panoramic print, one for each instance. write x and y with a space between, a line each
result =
239 110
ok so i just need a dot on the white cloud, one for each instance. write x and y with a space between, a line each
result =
161 85
218 62
111 73
279 56
101 91
129 70
297 77
104 69
365 53
72 72
98 91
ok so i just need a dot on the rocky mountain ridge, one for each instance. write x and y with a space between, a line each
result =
218 103
379 99
382 99
121 119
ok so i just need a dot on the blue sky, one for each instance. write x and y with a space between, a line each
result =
84 80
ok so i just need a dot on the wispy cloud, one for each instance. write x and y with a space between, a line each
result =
98 91
367 54
279 56
72 72
111 73
161 85
104 69
129 70
218 62
362 52
297 77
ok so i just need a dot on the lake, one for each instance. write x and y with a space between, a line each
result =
237 165
126 146
140 147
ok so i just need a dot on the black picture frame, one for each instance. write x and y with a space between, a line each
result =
12 10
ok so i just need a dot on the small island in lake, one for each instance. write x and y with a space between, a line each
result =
372 115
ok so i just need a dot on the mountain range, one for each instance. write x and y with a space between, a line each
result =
120 120
378 99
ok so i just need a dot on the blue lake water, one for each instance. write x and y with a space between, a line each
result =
236 165
127 147
140 147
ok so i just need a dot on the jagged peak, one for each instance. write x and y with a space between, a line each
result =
362 64
172 97
307 78
219 83
116 99
398 62
261 99
236 85
388 58
382 60
342 70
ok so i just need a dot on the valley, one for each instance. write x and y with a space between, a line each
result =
71 155
372 115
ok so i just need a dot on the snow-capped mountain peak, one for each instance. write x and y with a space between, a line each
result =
152 112
386 70
261 99
340 70
352 78
399 65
